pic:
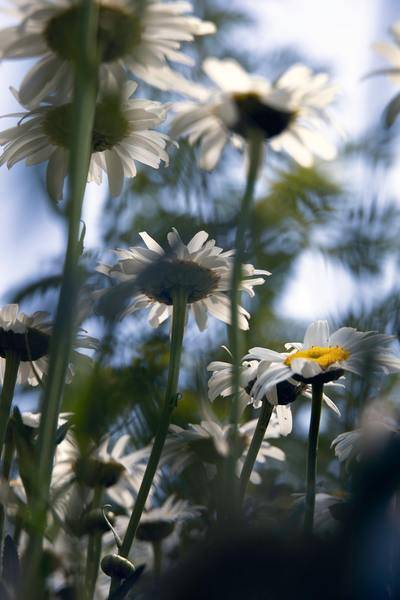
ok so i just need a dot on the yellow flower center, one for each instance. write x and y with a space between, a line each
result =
325 357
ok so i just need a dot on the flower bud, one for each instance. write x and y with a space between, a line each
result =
116 566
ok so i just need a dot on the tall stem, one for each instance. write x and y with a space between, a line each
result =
235 338
317 391
178 326
259 433
7 392
83 111
93 552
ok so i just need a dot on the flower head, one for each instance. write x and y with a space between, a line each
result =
208 442
158 523
122 133
200 268
220 384
289 112
28 336
134 37
324 357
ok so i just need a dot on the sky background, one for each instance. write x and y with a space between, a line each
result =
336 34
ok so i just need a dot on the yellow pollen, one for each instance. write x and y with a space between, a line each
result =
325 357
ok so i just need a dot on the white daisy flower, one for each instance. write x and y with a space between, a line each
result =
200 268
209 443
324 357
391 52
134 37
220 384
158 523
290 112
29 337
122 134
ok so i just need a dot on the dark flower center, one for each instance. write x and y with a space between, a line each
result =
154 531
29 346
287 392
161 279
324 377
118 33
110 125
254 114
94 472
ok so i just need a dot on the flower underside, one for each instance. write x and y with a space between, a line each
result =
325 357
110 126
118 33
286 392
167 276
255 114
29 346
155 531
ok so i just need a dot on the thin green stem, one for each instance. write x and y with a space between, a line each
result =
255 143
178 327
157 555
7 392
317 392
83 111
93 551
259 433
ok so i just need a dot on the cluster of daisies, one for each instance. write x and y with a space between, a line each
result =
141 41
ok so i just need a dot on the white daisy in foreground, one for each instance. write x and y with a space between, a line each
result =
122 134
391 52
200 268
134 37
220 384
209 442
324 357
290 112
28 337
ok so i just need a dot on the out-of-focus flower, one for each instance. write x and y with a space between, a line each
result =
209 442
134 37
374 432
158 523
200 268
122 134
324 357
289 113
29 337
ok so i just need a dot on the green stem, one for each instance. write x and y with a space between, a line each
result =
157 554
178 326
317 391
259 433
7 392
255 144
83 111
93 552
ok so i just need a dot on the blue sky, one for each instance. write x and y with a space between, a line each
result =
333 33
